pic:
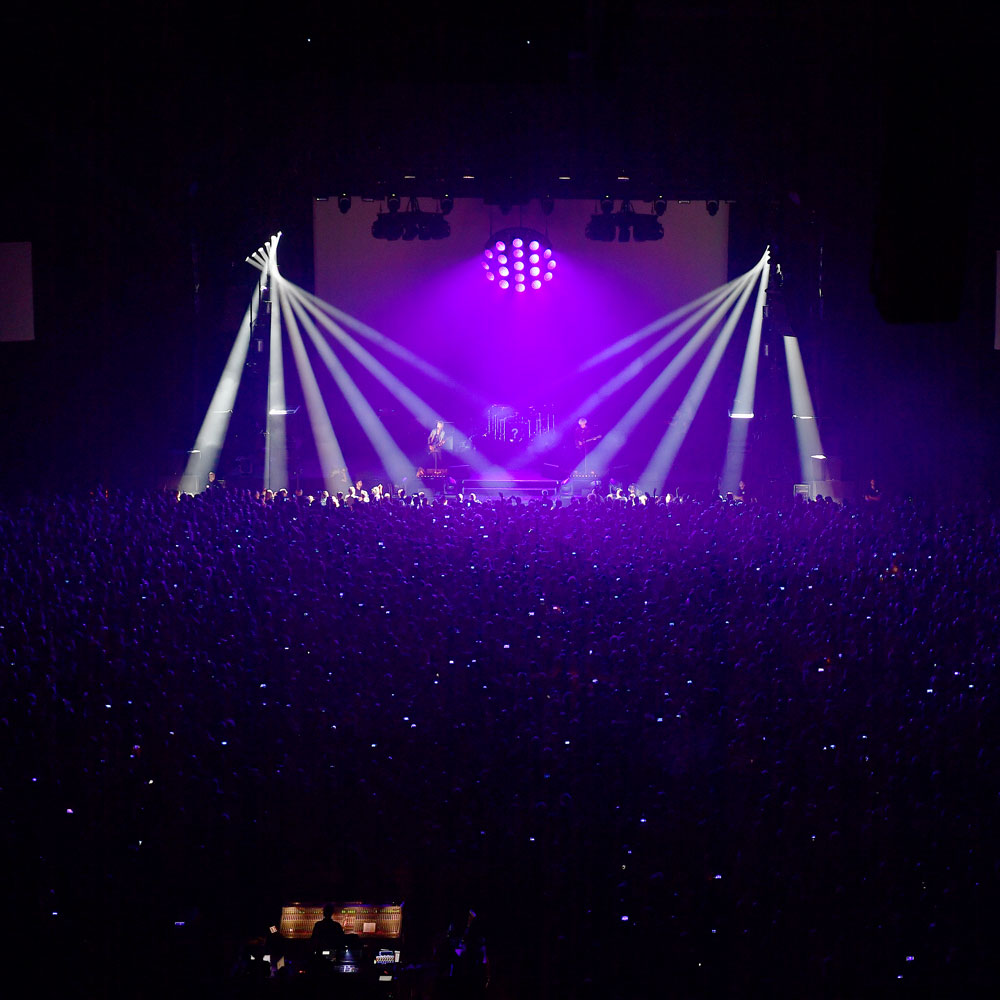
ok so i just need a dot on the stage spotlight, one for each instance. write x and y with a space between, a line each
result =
447 204
410 219
344 203
431 226
392 203
387 227
646 227
607 204
506 253
411 225
601 228
660 206
712 207
548 203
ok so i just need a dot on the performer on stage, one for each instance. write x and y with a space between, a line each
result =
435 441
583 437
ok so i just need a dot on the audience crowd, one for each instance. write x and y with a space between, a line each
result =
663 749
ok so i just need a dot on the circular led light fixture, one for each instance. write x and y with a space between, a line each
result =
520 243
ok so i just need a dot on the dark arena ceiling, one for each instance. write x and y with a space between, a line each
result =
688 100
698 99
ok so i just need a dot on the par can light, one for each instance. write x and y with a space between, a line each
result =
518 242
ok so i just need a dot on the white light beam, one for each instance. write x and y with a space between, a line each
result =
424 414
213 430
613 441
327 447
659 466
658 324
806 429
743 404
392 458
721 297
370 333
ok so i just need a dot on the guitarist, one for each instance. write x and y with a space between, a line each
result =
583 437
435 441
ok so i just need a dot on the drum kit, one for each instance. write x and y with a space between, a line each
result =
512 426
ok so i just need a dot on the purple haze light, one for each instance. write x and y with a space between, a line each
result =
510 266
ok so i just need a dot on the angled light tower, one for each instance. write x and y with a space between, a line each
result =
742 412
275 448
203 456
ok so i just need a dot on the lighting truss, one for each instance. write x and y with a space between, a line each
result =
411 225
606 226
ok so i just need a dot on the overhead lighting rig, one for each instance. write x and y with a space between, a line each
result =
607 225
409 225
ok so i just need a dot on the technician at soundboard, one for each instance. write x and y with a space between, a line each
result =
327 936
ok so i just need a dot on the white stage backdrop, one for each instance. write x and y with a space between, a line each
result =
433 296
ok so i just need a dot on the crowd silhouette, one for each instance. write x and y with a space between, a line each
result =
692 749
